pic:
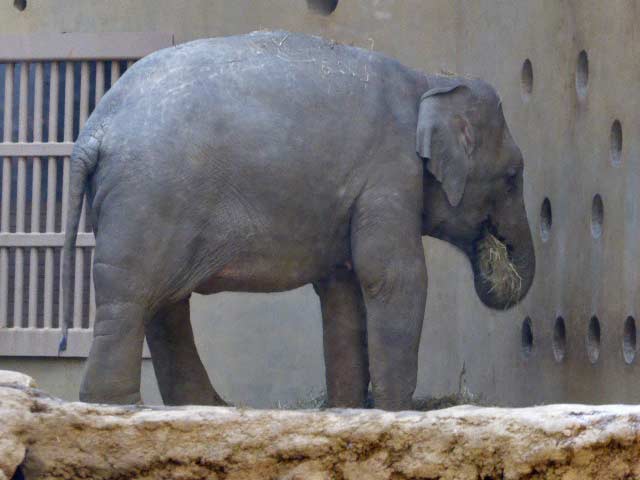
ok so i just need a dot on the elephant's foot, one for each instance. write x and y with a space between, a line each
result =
193 394
89 396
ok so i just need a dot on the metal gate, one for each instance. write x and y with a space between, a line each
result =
49 84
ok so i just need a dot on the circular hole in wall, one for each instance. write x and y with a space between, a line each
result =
615 149
582 74
597 216
325 7
546 219
527 78
629 340
20 4
527 337
559 342
593 339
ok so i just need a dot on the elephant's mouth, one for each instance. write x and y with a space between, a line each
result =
498 281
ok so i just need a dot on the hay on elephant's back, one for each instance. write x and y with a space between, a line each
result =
498 270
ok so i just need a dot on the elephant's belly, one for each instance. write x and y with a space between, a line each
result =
270 274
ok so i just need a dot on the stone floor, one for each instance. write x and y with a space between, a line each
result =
44 437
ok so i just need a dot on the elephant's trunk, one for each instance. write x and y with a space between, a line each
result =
503 266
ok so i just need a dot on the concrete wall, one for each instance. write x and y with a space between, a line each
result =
264 350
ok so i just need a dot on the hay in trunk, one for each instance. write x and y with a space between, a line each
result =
497 269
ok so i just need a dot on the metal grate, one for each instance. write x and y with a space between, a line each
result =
49 84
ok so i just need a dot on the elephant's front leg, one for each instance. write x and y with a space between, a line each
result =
345 339
390 265
182 378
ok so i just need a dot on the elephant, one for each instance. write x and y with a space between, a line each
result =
272 160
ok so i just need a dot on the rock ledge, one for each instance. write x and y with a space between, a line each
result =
47 438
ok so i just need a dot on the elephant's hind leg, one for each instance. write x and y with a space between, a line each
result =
182 378
112 371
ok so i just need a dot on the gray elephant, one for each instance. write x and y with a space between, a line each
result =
264 162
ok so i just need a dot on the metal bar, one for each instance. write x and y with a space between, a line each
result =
92 289
18 282
52 173
48 288
84 93
68 137
8 102
68 102
21 187
99 81
35 149
81 46
84 114
78 282
21 193
37 102
115 71
36 189
63 222
54 85
78 289
6 194
43 342
22 137
92 292
44 239
22 102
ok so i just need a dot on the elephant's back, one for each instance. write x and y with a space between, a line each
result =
263 55
265 96
279 72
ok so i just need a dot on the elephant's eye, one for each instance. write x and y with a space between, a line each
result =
512 181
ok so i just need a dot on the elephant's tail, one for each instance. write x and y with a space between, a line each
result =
84 159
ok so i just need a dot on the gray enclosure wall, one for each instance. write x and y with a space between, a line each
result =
575 116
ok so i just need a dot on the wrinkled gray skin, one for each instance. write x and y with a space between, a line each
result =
264 162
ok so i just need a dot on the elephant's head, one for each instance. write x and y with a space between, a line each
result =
473 196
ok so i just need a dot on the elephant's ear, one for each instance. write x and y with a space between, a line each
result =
445 138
